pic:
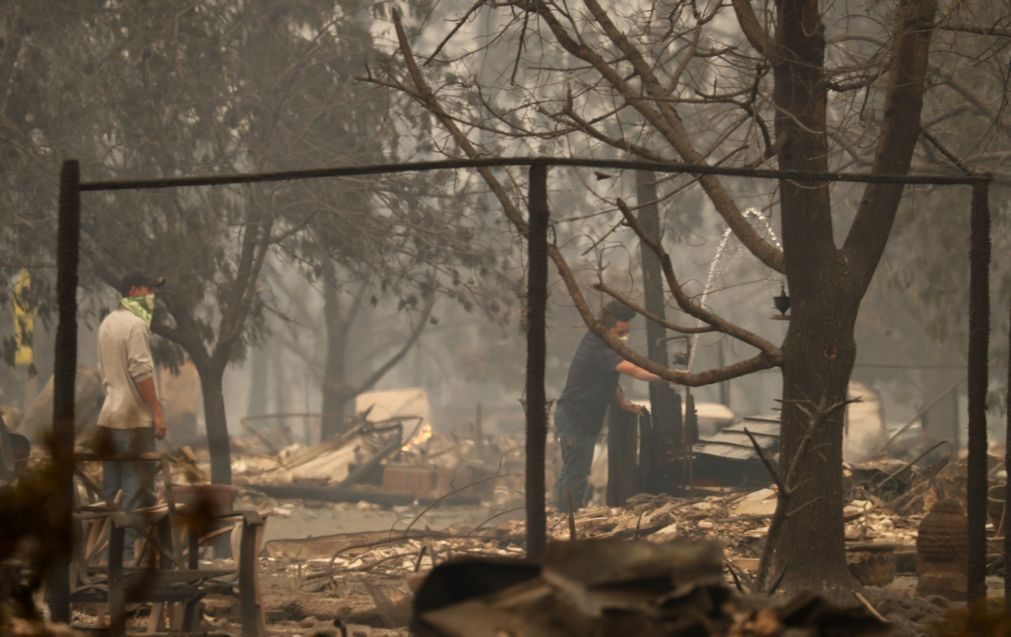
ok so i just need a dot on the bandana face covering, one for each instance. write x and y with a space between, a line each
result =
140 306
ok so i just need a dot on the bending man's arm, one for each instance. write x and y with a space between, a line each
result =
631 369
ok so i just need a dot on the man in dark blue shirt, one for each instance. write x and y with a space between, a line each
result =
590 387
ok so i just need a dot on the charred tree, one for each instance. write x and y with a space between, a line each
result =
826 283
239 303
216 419
335 389
663 402
259 381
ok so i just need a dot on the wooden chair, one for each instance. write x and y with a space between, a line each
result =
167 569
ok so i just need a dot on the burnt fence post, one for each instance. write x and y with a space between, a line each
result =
64 370
537 426
1007 463
979 337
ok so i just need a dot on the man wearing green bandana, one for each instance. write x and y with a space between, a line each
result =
131 417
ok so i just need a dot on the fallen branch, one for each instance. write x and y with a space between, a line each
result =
909 464
769 466
733 573
638 525
496 515
418 535
454 492
870 608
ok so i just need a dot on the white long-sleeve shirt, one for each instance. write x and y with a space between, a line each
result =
124 359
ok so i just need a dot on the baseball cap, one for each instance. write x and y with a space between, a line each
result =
139 279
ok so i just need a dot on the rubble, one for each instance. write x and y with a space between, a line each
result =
885 478
612 587
728 457
368 578
389 462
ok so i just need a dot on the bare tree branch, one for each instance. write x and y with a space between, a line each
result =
763 360
664 118
978 30
381 371
903 104
687 304
635 307
754 31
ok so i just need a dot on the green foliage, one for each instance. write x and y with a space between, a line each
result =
176 88
966 111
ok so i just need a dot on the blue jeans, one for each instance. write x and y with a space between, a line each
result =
134 477
577 443
573 482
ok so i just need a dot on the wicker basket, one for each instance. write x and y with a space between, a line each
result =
872 564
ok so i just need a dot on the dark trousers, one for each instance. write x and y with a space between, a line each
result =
572 489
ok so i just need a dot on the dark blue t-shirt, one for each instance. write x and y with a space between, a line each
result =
589 388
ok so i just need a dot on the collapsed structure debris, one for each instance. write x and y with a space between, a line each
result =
612 587
728 457
368 578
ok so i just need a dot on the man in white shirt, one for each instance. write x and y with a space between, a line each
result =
131 417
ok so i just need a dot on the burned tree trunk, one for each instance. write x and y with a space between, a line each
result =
335 390
218 443
663 402
827 283
807 544
808 551
259 380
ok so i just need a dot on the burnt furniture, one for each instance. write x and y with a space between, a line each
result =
167 569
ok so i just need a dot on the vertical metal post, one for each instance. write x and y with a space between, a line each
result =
1007 463
724 385
64 369
537 294
979 337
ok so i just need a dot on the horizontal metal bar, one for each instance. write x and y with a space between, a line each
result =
493 162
